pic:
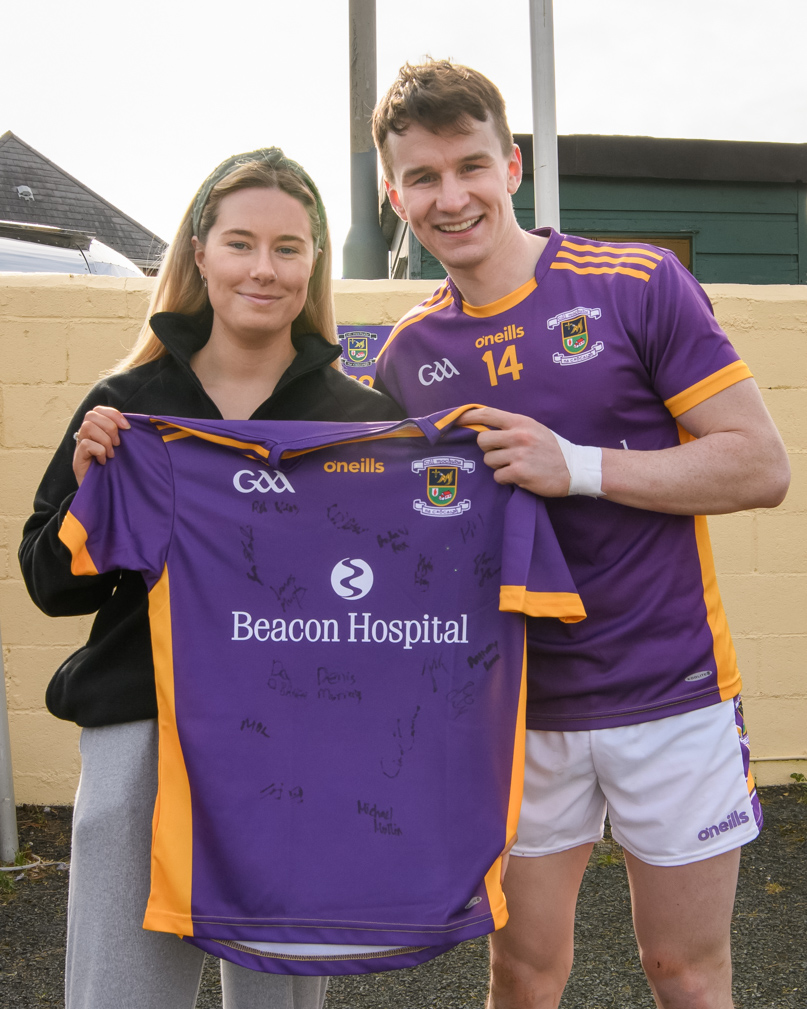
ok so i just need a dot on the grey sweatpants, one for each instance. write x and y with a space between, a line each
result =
112 961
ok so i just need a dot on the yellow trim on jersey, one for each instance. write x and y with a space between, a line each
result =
457 412
620 250
169 904
180 431
608 259
567 606
733 373
74 536
728 675
502 304
729 681
401 432
441 298
627 270
493 877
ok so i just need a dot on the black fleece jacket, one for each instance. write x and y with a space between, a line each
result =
111 679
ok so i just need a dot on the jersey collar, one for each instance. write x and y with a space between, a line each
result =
512 299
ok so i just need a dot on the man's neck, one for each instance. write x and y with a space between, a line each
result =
513 265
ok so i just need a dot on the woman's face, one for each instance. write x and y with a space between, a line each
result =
257 260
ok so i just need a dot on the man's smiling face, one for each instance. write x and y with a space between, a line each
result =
455 191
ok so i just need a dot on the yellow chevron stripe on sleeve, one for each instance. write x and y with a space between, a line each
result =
627 270
640 260
620 250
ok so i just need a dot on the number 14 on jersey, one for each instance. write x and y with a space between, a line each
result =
508 365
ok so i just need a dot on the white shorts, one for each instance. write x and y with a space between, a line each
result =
676 790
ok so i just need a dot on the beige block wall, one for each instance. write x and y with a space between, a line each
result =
58 333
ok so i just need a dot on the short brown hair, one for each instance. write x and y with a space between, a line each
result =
442 97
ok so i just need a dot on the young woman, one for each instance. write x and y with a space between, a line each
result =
241 325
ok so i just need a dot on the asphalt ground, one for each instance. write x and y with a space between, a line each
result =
770 918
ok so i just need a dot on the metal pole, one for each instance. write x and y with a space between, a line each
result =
8 811
365 254
544 119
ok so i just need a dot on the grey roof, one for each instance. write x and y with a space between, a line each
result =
61 201
672 158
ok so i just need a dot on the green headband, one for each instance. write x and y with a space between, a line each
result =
275 158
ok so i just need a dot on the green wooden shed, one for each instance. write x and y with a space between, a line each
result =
733 211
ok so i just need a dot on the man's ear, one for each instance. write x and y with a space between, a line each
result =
395 201
514 170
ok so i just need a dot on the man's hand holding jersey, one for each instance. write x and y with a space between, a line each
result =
735 460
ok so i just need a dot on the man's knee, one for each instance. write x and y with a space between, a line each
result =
527 977
688 980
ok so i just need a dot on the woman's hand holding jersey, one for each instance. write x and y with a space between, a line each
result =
97 438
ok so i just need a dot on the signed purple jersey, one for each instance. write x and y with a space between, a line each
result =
337 618
607 345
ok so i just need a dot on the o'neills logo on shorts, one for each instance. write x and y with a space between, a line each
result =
734 819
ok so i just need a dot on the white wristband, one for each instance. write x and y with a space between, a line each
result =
584 463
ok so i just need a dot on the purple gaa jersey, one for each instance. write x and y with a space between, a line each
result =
607 346
339 646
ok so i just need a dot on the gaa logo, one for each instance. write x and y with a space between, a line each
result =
352 579
262 483
436 372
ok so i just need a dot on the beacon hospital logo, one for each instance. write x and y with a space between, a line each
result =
352 578
442 485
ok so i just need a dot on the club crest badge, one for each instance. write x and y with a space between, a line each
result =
442 486
357 346
575 336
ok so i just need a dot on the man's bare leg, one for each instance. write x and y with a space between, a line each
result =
682 918
531 957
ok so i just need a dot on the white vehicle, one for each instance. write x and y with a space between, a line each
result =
37 248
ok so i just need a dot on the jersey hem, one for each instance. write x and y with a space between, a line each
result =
601 720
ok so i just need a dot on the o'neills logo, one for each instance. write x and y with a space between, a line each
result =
357 466
734 819
360 628
508 333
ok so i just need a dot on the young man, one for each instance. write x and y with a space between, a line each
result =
612 392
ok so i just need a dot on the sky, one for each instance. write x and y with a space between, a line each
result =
140 101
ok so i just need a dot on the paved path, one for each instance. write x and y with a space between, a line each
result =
770 952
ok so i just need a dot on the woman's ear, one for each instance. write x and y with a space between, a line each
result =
198 252
313 265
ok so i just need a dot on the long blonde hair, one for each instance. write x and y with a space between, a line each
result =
179 286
